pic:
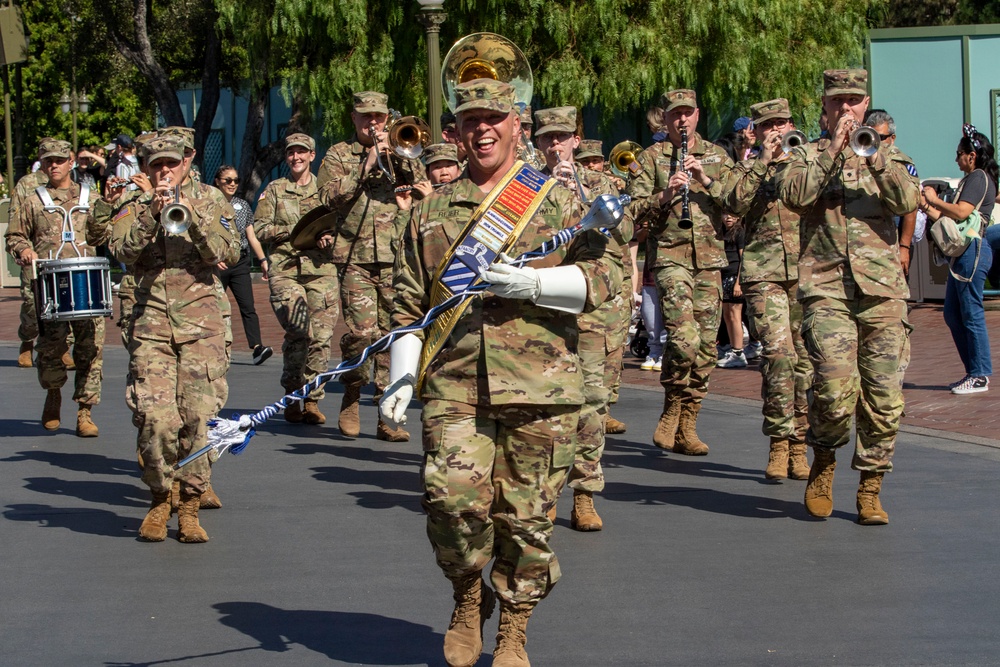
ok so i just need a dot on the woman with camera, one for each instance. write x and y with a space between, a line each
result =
963 301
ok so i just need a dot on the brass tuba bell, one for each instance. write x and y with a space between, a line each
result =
624 159
486 55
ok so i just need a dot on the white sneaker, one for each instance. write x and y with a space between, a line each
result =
733 360
658 366
753 350
648 365
722 350
972 385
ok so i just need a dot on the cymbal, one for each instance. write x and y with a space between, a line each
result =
304 234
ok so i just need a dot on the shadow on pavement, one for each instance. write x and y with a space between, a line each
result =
629 454
353 638
89 521
385 479
360 453
109 493
27 428
90 463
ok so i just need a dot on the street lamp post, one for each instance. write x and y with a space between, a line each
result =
431 17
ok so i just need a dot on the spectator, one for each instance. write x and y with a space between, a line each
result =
732 294
963 299
88 170
122 161
745 139
237 277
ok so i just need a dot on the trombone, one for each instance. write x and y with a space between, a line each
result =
407 137
624 159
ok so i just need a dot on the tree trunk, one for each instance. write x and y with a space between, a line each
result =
256 160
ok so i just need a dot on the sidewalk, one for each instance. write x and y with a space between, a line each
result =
929 404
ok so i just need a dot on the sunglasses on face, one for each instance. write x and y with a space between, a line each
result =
229 181
885 137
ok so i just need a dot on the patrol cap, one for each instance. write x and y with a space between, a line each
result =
164 146
144 139
448 121
590 148
300 139
186 134
682 97
556 119
49 147
368 101
440 152
526 116
845 82
484 94
770 110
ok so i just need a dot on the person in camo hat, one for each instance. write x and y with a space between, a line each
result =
685 262
502 398
770 280
366 234
441 162
35 233
853 293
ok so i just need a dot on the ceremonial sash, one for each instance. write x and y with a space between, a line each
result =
495 226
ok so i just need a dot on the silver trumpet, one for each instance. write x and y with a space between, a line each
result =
175 216
864 140
792 139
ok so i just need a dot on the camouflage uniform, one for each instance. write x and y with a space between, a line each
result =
178 349
368 231
105 212
305 292
852 289
27 330
686 263
601 340
32 227
769 277
501 399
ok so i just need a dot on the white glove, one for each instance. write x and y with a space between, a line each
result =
512 282
404 364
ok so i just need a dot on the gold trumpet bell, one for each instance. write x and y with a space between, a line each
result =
409 136
486 55
624 159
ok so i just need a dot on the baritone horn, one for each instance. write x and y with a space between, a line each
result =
624 159
175 216
486 55
792 139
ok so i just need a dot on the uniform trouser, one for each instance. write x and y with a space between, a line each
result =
691 302
126 300
586 473
775 317
172 391
88 350
307 307
27 330
490 474
858 347
238 280
366 295
613 363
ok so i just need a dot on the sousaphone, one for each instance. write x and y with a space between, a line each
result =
486 55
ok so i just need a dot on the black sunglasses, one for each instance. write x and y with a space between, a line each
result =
229 181
885 137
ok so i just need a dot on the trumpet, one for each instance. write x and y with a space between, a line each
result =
408 135
175 216
685 222
864 140
624 159
792 139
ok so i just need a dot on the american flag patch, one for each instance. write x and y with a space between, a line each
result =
912 169
126 210
262 195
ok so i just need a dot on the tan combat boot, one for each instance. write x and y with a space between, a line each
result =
870 512
584 517
68 362
613 426
50 413
350 421
777 459
512 635
175 495
386 432
666 428
189 530
819 490
474 601
312 415
687 441
293 413
24 354
154 526
85 426
798 464
209 500
551 514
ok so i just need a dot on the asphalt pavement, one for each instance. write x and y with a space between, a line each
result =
319 554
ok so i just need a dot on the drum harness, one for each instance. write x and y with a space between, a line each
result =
68 235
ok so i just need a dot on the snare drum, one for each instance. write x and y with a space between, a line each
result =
77 288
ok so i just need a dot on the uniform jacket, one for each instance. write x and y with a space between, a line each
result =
849 236
279 209
502 351
366 208
702 246
31 227
771 250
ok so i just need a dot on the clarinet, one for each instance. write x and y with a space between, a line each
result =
685 222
